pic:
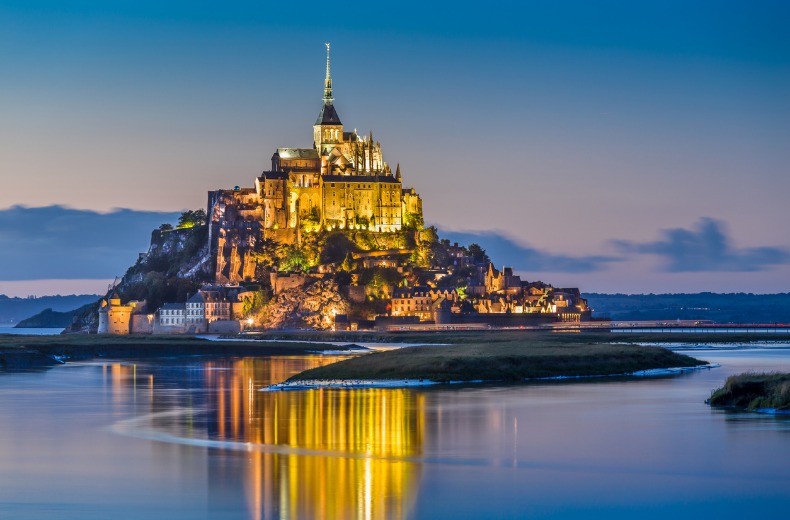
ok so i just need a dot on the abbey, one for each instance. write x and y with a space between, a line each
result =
341 182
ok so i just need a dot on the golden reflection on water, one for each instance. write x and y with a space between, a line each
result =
359 438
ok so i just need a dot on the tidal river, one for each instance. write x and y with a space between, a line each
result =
195 438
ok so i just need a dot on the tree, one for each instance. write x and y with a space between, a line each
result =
189 219
478 254
166 227
425 252
264 252
336 248
294 260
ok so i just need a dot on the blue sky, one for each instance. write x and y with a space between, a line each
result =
584 131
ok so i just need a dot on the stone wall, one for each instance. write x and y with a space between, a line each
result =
285 281
142 324
225 327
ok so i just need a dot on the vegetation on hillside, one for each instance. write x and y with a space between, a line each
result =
190 219
157 277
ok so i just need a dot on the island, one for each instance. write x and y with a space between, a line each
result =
497 358
762 392
328 236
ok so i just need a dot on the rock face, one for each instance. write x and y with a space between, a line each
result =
186 250
312 306
234 228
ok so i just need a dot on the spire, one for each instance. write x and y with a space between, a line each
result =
397 172
328 114
328 80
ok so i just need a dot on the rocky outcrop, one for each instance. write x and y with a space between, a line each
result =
311 306
181 252
234 229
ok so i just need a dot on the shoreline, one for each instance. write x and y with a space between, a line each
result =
32 352
350 384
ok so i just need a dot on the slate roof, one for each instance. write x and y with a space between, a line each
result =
173 306
328 115
360 178
196 298
273 175
297 153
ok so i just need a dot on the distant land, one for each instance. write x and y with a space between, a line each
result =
720 308
50 319
14 310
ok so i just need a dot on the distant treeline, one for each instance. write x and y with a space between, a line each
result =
14 310
720 308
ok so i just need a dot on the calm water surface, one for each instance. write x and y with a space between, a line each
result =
191 438
31 332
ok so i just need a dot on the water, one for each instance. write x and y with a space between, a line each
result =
191 438
781 330
32 332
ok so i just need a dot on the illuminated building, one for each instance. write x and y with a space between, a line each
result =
341 182
118 318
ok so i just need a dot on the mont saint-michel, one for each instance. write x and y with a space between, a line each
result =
329 236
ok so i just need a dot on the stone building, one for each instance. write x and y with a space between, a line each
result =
171 319
341 182
503 281
412 301
116 317
211 309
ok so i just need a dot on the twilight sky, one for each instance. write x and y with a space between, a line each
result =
617 146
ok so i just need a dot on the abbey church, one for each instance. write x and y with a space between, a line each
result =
341 182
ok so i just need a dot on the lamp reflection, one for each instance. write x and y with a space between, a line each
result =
341 453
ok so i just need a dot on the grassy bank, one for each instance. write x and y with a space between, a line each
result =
530 357
505 336
30 352
753 391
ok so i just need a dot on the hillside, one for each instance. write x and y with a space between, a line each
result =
52 319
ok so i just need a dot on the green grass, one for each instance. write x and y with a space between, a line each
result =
753 391
532 356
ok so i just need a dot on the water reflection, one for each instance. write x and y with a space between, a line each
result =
339 454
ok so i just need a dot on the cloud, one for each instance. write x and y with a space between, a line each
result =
59 242
504 250
706 247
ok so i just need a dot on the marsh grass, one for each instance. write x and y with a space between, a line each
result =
530 357
753 391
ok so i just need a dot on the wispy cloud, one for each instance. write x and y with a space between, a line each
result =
505 250
705 247
60 242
